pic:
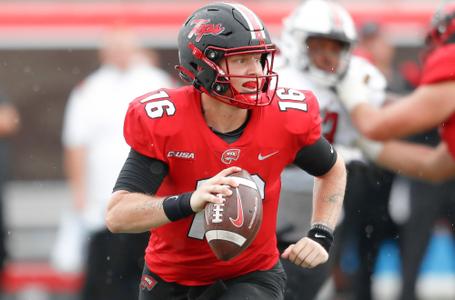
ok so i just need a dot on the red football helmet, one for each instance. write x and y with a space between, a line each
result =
218 31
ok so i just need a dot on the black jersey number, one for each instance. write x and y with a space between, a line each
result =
291 99
158 105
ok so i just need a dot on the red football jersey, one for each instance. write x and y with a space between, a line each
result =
440 66
169 125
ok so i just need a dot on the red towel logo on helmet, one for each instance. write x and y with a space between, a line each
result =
201 28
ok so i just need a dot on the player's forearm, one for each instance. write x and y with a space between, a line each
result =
370 122
408 159
419 111
134 212
329 194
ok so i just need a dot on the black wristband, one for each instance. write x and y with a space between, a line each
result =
321 234
178 207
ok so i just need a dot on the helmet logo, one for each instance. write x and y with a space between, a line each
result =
201 28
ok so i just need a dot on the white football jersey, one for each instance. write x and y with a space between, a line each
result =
337 126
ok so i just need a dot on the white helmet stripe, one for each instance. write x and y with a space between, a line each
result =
335 16
254 24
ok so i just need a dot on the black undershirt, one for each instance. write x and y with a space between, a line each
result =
232 136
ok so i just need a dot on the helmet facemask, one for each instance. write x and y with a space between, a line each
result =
265 85
338 59
300 57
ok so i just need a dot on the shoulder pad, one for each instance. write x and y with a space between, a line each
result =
152 118
299 111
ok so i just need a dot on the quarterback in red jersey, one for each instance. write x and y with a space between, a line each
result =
186 141
429 106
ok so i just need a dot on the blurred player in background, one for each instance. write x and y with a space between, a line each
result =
231 116
317 43
9 124
94 151
430 105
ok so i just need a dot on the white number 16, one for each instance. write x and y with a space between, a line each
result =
296 99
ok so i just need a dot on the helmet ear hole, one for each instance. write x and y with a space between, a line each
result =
193 65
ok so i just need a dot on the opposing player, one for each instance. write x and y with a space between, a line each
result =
429 106
186 141
317 43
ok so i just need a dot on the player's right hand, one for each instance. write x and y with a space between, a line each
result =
213 189
306 253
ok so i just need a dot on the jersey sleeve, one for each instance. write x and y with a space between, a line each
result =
439 65
140 130
314 120
305 124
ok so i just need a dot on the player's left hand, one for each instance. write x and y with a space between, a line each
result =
371 149
353 89
306 253
360 83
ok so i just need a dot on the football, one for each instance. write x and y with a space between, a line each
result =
230 227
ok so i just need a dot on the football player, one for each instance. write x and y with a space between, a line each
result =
429 106
317 42
184 144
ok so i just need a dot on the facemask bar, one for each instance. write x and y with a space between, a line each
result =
266 84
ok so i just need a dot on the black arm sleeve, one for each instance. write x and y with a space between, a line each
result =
316 159
141 174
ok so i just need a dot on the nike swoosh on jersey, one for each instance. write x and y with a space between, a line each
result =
238 221
262 157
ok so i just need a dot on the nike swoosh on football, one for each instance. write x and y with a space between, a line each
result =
238 221
262 157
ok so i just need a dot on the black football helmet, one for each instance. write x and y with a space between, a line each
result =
217 31
442 29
